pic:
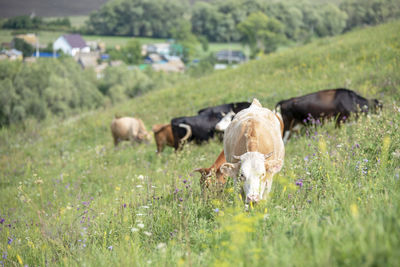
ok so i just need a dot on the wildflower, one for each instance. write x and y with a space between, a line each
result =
299 183
365 160
141 177
145 207
306 158
180 199
10 240
147 233
139 186
308 200
216 210
133 229
124 205
2 220
184 181
5 255
140 225
110 247
176 190
161 245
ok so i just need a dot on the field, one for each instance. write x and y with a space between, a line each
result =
68 198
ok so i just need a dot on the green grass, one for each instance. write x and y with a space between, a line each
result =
63 187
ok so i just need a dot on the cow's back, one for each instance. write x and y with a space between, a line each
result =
124 127
253 129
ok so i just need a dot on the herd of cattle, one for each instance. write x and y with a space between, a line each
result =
254 136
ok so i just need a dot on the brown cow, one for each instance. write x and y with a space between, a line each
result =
163 136
207 173
254 150
128 129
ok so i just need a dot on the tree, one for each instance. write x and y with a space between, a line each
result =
183 36
26 49
260 33
132 52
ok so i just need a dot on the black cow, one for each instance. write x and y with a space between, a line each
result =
226 108
201 127
314 108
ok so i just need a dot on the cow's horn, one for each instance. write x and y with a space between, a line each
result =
188 131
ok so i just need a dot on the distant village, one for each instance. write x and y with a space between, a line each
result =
92 54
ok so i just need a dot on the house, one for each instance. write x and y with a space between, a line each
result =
12 54
71 44
29 38
158 48
230 56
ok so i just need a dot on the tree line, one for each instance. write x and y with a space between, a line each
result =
59 87
218 20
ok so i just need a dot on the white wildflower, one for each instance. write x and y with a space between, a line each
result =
147 233
140 225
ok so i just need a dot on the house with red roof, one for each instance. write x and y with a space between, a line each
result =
71 44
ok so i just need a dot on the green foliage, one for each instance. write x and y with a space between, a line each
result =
68 197
36 23
183 36
369 12
147 18
261 33
49 86
131 53
26 49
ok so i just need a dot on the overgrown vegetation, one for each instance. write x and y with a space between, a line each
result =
26 22
59 87
67 197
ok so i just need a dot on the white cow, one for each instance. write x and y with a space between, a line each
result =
254 150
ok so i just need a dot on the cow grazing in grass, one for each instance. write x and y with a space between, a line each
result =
129 129
254 150
332 103
207 174
163 136
201 126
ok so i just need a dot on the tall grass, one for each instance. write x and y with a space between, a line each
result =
67 197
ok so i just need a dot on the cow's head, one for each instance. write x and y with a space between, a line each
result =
253 169
225 121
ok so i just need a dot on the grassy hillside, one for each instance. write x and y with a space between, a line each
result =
68 197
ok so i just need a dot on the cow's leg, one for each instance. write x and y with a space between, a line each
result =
286 136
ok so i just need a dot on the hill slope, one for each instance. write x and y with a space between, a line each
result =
69 198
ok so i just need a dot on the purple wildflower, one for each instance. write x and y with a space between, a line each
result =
365 160
216 210
299 183
110 247
124 205
176 191
306 158
5 255
2 220
10 240
308 200
180 199
184 181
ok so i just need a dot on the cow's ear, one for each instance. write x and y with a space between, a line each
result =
273 165
230 169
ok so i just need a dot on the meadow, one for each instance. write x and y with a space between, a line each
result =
69 198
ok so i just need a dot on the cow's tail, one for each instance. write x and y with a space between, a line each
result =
188 131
